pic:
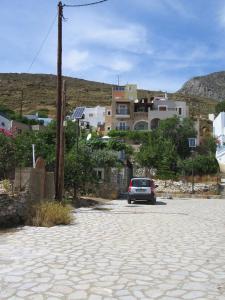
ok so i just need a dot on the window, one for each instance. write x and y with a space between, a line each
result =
142 125
108 128
122 125
141 183
91 115
179 110
162 108
108 112
122 109
3 124
100 173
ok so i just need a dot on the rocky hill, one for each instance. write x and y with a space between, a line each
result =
39 93
209 86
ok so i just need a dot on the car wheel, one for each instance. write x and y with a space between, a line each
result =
154 201
129 200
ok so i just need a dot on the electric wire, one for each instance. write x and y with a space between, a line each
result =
42 44
87 4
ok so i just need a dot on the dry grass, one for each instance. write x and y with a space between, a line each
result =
48 214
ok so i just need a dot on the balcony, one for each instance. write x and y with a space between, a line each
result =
141 114
123 127
125 113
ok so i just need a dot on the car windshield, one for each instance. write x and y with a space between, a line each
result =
141 183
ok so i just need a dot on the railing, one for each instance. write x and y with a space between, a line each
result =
122 112
141 113
122 127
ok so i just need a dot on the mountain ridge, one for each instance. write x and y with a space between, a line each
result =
39 93
210 86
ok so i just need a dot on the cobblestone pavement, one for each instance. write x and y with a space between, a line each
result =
174 250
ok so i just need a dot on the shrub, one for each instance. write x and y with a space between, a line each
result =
6 185
47 214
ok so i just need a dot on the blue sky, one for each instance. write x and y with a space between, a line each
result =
158 44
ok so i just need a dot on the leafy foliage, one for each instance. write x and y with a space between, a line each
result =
220 107
7 155
202 164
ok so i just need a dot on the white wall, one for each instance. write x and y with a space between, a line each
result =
94 115
5 123
219 127
183 105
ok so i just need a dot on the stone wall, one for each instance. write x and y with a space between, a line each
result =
13 210
179 187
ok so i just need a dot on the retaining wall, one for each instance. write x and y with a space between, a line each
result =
12 210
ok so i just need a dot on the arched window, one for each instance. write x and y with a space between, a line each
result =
142 125
155 123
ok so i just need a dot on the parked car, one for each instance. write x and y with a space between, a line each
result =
142 189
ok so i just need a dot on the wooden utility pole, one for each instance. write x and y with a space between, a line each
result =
58 179
21 104
62 143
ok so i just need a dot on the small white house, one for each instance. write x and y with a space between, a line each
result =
94 116
5 123
219 134
35 117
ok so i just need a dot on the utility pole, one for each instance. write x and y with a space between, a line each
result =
62 143
78 133
192 173
21 104
59 153
59 168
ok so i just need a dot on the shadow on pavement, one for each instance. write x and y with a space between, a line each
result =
141 203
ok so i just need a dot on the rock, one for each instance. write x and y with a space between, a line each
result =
209 86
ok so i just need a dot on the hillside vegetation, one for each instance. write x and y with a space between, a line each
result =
39 93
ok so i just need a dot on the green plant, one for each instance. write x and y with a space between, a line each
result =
50 213
6 185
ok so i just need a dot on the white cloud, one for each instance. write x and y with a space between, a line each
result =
179 7
109 32
164 7
76 60
221 16
117 63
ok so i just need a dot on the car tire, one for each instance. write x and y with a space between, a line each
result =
154 201
129 200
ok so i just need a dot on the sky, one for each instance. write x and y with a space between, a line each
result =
157 44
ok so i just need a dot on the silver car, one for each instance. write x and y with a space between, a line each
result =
142 189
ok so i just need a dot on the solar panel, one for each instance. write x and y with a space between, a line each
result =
78 113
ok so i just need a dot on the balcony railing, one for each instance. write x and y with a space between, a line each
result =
122 127
122 112
141 113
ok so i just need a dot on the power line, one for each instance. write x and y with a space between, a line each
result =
88 4
42 44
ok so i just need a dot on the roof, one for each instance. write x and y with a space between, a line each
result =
147 178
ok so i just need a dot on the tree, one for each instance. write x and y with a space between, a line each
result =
220 107
203 164
159 153
79 169
7 155
178 131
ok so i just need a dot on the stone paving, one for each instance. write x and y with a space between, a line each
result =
173 250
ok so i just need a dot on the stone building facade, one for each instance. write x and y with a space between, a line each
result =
127 112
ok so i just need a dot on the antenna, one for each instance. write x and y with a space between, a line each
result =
118 80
